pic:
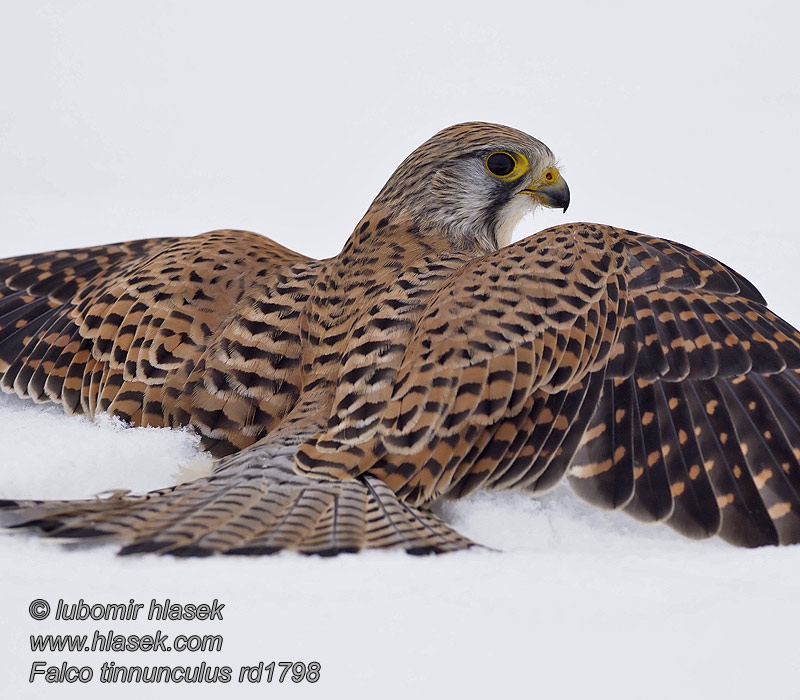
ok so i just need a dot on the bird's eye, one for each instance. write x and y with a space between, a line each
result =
501 164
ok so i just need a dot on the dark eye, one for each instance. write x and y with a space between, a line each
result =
500 164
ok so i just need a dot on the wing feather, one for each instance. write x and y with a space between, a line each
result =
709 373
650 373
499 330
121 327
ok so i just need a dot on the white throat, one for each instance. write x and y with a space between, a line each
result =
510 216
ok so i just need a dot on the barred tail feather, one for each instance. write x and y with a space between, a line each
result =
244 511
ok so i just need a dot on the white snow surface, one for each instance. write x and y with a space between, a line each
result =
128 120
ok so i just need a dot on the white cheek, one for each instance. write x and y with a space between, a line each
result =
510 216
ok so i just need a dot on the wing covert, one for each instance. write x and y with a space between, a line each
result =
502 358
159 332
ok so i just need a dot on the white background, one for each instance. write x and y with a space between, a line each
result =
123 120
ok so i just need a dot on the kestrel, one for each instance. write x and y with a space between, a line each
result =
428 359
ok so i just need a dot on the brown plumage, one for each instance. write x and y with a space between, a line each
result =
345 396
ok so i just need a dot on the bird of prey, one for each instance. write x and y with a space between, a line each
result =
342 398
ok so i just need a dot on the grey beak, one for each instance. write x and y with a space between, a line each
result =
554 195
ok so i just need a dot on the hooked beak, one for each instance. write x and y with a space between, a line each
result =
551 190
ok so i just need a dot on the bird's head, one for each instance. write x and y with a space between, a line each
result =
474 182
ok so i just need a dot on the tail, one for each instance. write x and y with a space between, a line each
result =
253 503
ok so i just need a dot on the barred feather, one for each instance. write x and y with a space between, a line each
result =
345 396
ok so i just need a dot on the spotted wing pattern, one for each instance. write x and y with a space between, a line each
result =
699 420
198 331
35 303
660 370
361 389
496 378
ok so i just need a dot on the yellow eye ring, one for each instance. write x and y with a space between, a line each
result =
506 166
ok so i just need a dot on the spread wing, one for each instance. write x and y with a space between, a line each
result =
699 420
172 331
652 372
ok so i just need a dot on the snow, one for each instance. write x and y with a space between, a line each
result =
125 121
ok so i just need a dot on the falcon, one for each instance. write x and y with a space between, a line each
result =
343 398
